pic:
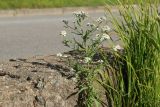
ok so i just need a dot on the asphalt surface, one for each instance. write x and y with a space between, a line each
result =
26 36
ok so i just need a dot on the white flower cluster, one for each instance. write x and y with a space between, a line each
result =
105 37
80 14
102 37
63 33
101 19
106 28
61 55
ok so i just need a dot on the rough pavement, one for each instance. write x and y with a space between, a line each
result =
39 81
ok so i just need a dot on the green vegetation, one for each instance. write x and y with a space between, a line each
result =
125 77
138 76
18 4
12 4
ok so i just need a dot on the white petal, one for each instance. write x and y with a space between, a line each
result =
59 55
65 56
100 61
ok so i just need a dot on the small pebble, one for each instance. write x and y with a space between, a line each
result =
29 78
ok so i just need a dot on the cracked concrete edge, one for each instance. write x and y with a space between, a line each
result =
50 11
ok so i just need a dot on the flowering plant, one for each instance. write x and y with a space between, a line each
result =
86 37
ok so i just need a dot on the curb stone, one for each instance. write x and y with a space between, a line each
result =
50 11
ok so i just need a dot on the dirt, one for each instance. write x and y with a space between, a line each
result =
40 81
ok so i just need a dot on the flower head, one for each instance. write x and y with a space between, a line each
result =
80 14
64 56
63 33
59 54
101 19
101 37
106 28
105 37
